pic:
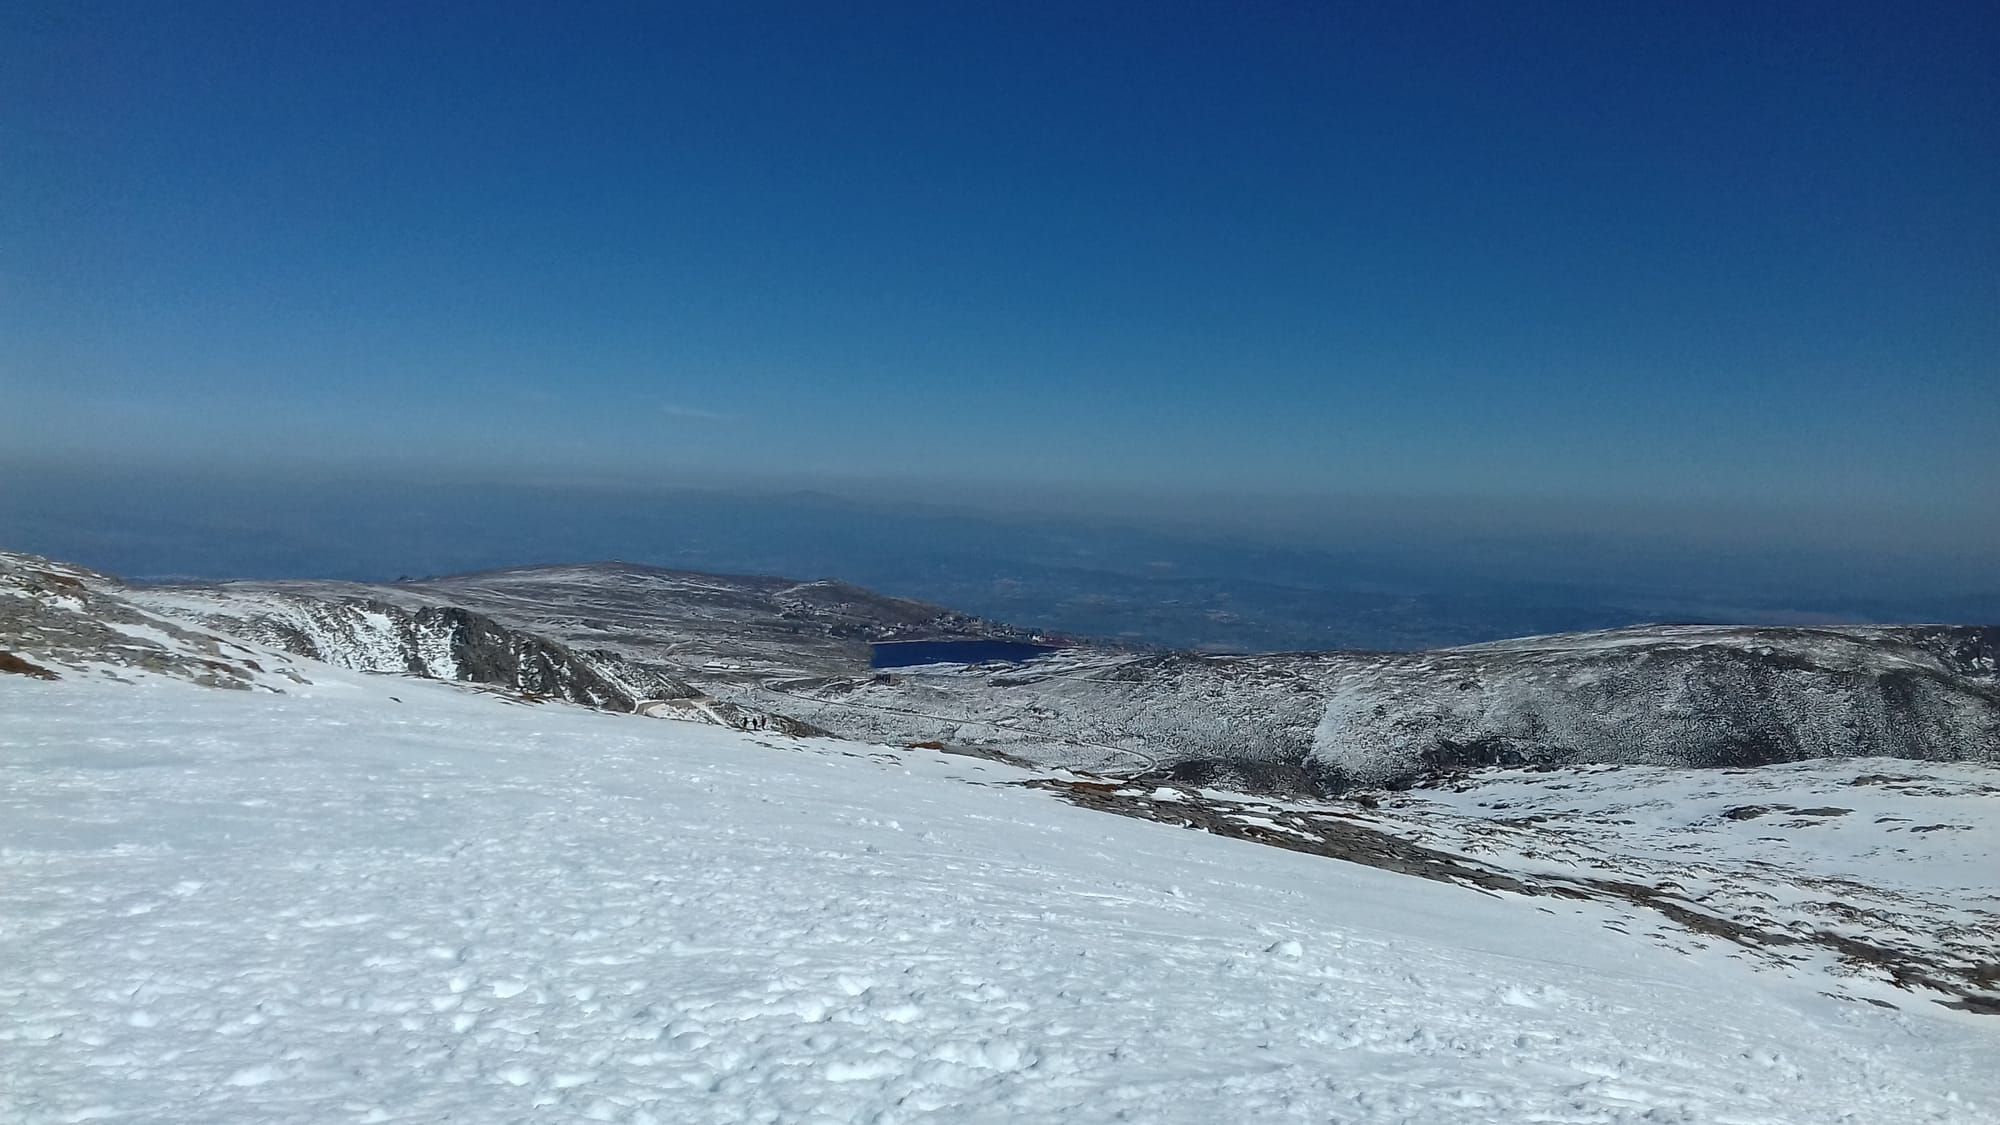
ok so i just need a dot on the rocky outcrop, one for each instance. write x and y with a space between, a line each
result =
441 642
58 620
717 623
1326 723
1696 696
736 651
345 625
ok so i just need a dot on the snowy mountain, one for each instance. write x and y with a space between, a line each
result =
385 899
374 887
57 619
1670 695
766 652
440 642
1322 723
720 626
614 635
713 621
71 618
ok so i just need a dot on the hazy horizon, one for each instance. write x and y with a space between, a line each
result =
1860 526
1383 574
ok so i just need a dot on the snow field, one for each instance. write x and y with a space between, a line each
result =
333 906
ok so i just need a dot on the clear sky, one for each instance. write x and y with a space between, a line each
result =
1688 253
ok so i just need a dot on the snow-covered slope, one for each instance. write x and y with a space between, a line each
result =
1669 695
57 619
719 626
1871 875
771 653
1325 722
1681 695
1892 868
441 642
382 900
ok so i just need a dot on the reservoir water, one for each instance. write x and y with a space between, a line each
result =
906 654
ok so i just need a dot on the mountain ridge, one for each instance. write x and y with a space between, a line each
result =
792 654
1857 867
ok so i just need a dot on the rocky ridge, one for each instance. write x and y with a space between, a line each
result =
1838 823
56 619
770 653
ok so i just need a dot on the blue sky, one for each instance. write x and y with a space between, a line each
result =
1735 254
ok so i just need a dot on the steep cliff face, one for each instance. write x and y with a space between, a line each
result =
58 620
1667 695
442 642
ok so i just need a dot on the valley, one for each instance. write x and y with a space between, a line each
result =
1690 778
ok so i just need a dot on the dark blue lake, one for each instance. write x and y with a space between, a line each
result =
904 654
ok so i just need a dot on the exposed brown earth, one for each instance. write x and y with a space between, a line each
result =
11 663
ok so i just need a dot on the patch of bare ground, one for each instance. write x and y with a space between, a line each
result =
1968 984
20 666
54 581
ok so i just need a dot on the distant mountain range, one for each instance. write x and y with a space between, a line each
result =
1393 581
773 653
1811 800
